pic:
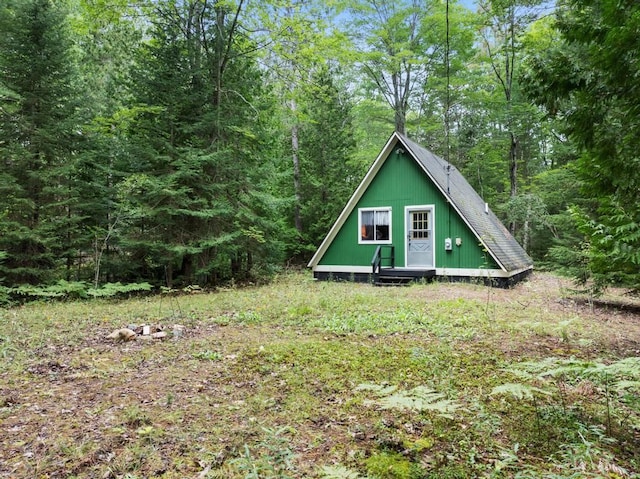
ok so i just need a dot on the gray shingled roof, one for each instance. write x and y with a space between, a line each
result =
496 238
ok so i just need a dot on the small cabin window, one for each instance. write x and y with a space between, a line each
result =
374 225
419 225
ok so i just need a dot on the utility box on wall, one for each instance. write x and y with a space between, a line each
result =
448 244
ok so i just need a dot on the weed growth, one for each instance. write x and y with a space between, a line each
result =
275 459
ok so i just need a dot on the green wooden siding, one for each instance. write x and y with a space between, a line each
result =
401 182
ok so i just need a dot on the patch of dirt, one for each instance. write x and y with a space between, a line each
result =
615 315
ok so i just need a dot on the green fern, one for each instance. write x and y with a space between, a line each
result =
550 367
627 385
420 398
339 472
627 369
519 391
110 290
61 289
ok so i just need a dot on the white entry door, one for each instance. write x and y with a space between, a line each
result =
419 223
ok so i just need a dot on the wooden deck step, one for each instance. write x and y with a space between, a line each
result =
402 277
393 280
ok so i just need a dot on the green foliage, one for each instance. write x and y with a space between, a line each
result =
339 472
558 245
163 175
276 459
402 56
518 391
596 58
418 399
61 289
619 383
483 161
4 295
391 465
503 27
111 290
613 248
196 201
530 212
38 127
75 290
328 175
207 355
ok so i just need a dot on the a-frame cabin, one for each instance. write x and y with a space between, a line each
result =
415 216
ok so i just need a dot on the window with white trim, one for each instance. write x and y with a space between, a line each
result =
374 225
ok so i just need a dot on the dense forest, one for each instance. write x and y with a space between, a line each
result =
199 142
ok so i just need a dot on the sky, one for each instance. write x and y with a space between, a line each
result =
470 4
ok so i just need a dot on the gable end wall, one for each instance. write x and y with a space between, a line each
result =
401 182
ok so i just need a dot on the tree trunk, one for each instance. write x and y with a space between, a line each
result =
236 266
513 165
400 120
249 264
168 273
513 173
399 105
295 156
187 270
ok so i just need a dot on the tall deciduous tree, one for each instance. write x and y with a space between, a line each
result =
297 40
107 36
401 45
442 99
504 25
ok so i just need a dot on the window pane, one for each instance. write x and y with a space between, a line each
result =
367 226
382 218
375 225
420 223
382 232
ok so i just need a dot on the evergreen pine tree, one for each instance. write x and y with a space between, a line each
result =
37 129
193 196
328 173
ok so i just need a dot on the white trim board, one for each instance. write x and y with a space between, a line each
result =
477 273
342 269
432 210
453 272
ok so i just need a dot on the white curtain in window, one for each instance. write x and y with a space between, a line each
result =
382 218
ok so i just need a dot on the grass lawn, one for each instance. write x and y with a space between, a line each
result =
317 379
